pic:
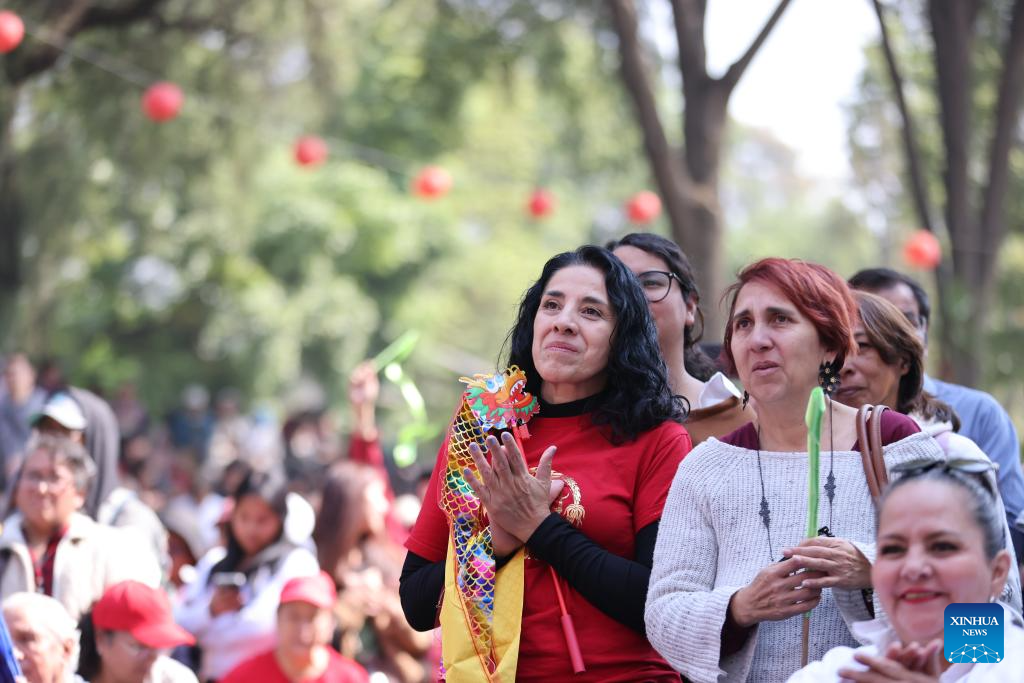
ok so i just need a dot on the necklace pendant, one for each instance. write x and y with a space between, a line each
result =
766 514
830 487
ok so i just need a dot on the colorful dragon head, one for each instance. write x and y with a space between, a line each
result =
500 400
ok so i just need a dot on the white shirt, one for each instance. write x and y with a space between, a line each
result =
879 635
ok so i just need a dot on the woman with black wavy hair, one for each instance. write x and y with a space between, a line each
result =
609 432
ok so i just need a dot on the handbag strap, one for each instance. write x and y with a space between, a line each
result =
865 451
877 456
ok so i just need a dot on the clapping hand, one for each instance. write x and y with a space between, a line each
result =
503 542
911 663
515 500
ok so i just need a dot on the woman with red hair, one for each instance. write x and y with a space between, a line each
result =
733 574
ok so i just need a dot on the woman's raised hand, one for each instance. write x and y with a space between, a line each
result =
775 594
840 563
363 390
515 500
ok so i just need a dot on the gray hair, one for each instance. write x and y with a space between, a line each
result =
984 507
66 452
45 613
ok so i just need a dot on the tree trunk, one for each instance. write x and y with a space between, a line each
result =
992 219
688 181
952 23
975 241
10 217
919 189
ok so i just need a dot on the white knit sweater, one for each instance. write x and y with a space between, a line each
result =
712 542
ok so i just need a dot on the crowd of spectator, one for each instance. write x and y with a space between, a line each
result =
213 544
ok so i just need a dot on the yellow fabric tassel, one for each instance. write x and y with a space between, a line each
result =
462 662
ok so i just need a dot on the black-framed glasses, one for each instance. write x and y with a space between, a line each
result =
914 468
657 284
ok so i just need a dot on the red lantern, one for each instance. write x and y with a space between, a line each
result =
922 250
541 203
643 207
162 101
12 30
310 151
432 182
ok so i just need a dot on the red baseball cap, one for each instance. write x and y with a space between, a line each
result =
143 612
316 590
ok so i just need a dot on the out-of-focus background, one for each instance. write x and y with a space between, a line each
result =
139 258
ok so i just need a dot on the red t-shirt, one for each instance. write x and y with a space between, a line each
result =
265 669
622 489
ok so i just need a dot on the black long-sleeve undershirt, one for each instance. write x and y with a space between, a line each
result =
615 585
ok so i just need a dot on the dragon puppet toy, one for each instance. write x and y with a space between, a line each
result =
481 610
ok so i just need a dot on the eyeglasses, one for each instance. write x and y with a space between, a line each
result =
915 468
55 483
657 284
917 321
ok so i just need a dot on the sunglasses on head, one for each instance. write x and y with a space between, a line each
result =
915 468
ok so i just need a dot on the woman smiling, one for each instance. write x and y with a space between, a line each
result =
585 340
940 541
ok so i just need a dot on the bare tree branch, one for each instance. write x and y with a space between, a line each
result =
668 172
120 15
75 17
917 184
735 72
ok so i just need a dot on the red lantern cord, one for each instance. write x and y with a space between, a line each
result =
643 207
12 31
432 182
310 151
922 250
162 101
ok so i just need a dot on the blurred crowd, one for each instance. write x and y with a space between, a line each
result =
211 543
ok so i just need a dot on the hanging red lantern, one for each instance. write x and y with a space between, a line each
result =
12 30
541 203
310 151
432 182
162 101
643 207
922 250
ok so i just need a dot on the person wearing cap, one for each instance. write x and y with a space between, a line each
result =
44 636
64 414
305 624
48 546
124 635
61 414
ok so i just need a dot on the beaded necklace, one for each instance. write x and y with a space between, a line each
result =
830 486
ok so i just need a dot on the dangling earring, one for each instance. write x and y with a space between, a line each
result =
828 377
746 400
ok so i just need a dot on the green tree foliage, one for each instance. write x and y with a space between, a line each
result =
197 250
